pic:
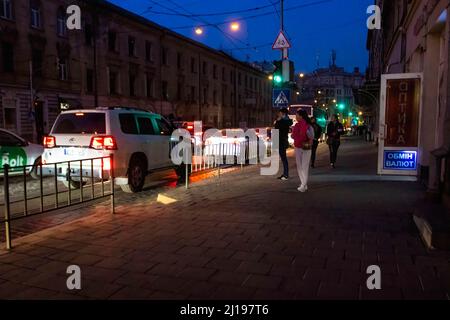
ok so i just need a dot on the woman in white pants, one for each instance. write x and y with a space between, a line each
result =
303 135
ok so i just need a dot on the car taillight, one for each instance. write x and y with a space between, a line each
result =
49 142
103 142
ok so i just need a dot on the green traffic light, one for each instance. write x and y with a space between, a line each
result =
277 79
351 114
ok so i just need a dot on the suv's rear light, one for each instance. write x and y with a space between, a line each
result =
103 143
49 142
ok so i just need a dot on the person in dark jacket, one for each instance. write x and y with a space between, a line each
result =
283 124
317 135
334 131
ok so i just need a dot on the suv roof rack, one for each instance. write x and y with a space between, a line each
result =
124 107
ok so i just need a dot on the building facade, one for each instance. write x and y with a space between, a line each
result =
327 88
414 38
117 58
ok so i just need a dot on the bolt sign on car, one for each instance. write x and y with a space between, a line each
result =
20 155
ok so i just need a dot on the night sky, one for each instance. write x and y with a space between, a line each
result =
315 28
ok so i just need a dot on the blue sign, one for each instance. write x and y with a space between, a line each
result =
281 98
400 160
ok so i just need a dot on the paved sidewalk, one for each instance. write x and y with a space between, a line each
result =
243 236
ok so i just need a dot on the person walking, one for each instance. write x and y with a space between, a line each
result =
283 124
303 135
334 131
317 135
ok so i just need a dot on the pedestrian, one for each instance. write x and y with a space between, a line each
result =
283 124
303 135
317 135
334 131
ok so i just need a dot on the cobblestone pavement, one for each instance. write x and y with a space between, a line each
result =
243 236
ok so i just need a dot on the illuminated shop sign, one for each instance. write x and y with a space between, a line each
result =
400 160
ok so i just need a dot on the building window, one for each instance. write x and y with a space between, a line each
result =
89 80
7 57
132 82
192 95
36 60
35 14
192 65
205 95
224 78
113 78
149 86
165 56
88 35
112 41
179 60
10 116
5 9
239 79
148 51
61 23
215 71
131 46
204 68
62 69
165 90
215 97
179 91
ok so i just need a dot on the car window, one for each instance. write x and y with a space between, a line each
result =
145 126
80 122
164 128
9 140
128 123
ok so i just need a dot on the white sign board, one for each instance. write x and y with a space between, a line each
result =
281 42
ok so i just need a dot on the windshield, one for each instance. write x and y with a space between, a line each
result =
81 123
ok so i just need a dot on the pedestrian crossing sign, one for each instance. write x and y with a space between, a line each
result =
281 98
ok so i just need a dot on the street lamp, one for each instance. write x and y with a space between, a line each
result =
235 26
270 77
302 75
199 31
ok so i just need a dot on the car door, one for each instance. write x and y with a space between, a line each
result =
149 140
164 134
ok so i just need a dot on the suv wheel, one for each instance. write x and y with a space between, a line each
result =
34 173
136 176
73 184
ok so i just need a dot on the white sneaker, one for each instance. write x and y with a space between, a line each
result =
302 188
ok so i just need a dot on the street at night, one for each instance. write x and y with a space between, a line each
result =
232 159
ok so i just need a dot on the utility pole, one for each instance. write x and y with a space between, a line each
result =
95 27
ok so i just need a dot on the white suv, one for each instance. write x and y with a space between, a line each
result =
139 140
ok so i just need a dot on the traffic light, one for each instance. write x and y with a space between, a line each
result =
278 74
341 106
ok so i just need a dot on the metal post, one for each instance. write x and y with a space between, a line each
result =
70 184
111 174
25 202
7 207
186 177
41 187
81 182
92 179
56 185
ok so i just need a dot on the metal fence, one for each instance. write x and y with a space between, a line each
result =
85 181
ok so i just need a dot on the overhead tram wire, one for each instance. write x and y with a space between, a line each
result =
254 16
230 38
211 14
